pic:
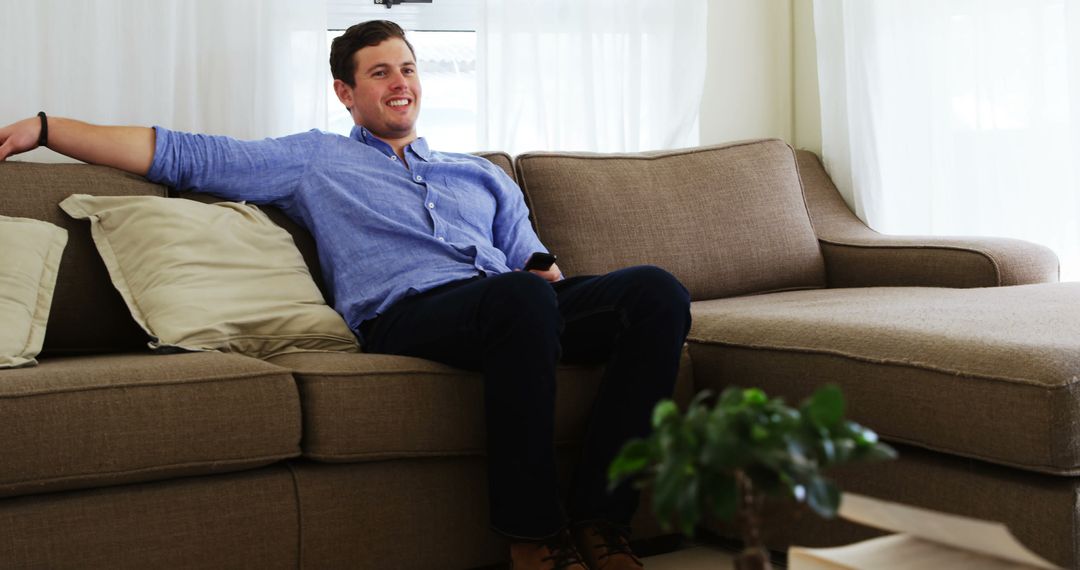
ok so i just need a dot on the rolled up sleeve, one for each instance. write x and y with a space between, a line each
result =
263 171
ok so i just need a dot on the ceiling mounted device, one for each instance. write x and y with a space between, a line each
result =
391 3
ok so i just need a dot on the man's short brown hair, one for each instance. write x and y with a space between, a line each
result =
357 37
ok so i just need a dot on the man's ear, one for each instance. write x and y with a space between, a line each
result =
344 93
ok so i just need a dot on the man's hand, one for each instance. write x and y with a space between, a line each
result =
551 275
19 137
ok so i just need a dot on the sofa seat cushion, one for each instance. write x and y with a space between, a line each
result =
92 421
361 407
986 373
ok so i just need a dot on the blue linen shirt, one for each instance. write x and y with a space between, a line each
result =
383 231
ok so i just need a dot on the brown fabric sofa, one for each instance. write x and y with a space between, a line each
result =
963 352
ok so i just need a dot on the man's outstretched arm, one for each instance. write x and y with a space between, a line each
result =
126 148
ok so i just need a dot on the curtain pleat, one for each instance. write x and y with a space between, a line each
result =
601 75
243 68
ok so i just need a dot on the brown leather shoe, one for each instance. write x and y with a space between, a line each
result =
555 553
604 546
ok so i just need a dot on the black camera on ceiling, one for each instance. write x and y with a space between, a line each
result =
391 3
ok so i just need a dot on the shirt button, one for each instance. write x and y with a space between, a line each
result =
442 238
393 157
431 205
419 178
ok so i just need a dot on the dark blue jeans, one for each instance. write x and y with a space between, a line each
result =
515 328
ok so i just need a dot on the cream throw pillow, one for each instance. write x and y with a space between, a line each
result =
210 276
30 253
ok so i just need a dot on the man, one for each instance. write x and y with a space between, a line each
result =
423 251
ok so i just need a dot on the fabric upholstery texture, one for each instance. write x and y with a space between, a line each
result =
363 407
211 276
241 520
30 252
500 159
450 523
991 373
725 220
83 291
417 513
155 417
856 256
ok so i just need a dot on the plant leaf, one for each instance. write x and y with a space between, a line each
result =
700 398
689 506
828 451
731 398
665 489
634 457
664 410
723 495
826 406
754 396
823 496
878 452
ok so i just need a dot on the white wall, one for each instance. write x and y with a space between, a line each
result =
762 73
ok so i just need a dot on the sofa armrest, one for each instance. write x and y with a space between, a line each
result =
885 261
857 256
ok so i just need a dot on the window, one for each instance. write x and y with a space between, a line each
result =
444 36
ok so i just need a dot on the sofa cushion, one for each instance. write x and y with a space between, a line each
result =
82 422
210 276
30 252
990 373
360 407
83 292
725 220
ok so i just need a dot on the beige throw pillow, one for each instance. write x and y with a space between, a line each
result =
210 276
30 253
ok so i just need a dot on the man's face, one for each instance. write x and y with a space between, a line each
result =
386 98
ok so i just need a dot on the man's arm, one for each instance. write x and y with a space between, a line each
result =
126 148
511 231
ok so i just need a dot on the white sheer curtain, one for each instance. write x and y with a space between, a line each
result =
244 68
956 117
595 75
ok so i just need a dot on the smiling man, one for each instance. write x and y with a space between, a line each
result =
426 255
379 84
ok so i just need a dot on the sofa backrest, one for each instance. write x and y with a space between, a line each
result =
726 220
88 315
500 159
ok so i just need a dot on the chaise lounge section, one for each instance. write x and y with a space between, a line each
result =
964 352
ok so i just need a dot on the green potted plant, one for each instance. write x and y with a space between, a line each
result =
725 459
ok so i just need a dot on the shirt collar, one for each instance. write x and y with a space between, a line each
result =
419 146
